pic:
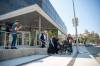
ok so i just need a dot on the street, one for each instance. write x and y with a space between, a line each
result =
95 51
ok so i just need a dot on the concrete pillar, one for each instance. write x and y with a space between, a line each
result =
39 28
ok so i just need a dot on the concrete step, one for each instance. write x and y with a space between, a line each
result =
6 54
22 60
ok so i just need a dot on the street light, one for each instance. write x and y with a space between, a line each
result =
75 24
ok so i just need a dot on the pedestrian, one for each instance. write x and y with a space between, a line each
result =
43 39
51 49
8 30
70 41
65 45
56 44
15 28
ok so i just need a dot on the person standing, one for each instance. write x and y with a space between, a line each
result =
56 44
15 27
65 45
51 49
70 41
8 30
43 39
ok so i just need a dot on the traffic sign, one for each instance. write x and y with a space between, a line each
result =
75 21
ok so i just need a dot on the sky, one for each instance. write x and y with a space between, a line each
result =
87 11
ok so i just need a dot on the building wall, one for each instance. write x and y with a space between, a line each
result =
12 5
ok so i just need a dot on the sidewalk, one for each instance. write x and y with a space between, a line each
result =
26 59
84 58
21 60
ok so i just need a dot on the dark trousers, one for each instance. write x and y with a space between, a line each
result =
70 48
7 40
51 49
14 36
43 44
56 50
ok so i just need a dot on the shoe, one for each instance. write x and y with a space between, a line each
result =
6 47
13 48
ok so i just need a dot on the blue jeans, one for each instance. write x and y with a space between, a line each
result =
14 36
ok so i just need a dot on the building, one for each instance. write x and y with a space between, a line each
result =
34 15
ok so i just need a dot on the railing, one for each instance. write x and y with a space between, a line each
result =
3 38
6 39
24 39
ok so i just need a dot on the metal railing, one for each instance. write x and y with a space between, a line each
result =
23 40
6 39
3 39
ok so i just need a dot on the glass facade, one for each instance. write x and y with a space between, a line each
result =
11 5
49 9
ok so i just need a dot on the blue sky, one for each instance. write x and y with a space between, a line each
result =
87 11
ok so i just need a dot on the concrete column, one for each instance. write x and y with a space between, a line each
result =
5 39
39 27
39 24
22 38
29 39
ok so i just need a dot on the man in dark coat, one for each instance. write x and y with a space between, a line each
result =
43 39
55 41
8 30
51 49
70 40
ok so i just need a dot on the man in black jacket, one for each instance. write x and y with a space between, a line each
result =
56 43
43 39
8 30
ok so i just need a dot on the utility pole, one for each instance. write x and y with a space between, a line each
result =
75 24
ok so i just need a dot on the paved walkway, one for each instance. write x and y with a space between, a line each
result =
21 60
56 60
84 58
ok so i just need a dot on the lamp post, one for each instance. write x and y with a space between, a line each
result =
75 24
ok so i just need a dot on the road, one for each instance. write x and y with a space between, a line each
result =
95 51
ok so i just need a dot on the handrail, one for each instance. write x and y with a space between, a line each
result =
4 40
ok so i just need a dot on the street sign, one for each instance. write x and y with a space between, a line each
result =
75 21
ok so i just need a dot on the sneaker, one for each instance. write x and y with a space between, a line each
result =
13 48
6 47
